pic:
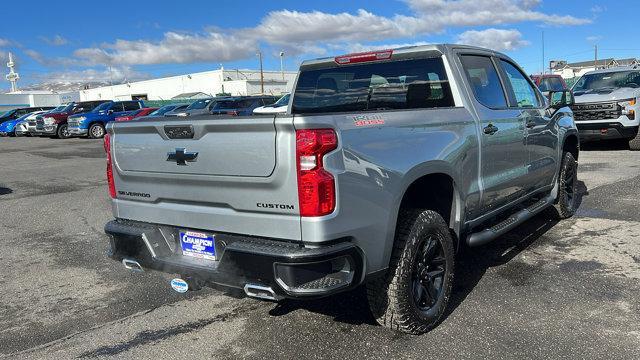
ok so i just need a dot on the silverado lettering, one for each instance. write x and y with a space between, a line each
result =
135 194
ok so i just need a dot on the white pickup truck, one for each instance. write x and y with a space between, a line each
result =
606 105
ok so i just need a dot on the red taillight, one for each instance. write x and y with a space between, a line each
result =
124 118
316 186
232 113
107 149
363 57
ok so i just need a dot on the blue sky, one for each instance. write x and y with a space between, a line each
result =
78 40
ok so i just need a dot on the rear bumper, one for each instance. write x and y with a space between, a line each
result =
605 131
289 269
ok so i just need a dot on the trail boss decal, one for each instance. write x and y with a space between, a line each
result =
366 119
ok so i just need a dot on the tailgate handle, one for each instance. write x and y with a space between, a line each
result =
179 131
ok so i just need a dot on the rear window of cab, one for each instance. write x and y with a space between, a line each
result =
391 85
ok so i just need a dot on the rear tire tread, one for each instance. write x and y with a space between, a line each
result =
382 293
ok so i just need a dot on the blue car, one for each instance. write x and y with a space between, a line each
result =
92 123
8 128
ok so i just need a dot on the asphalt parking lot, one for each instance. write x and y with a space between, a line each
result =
546 290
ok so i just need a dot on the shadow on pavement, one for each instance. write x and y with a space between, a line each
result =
604 145
5 191
472 263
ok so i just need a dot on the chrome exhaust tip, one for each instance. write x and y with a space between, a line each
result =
260 292
132 265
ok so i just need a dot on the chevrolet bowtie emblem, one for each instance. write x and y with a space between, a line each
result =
181 156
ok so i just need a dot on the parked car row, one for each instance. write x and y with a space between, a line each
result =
89 118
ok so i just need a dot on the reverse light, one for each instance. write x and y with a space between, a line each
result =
107 149
316 186
363 57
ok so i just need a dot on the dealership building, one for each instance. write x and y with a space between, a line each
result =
207 83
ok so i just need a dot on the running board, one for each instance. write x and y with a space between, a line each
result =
487 235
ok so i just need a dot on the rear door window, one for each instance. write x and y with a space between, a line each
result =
484 80
403 84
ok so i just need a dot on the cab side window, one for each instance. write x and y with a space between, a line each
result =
484 80
525 94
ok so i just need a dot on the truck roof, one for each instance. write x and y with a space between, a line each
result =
613 69
439 49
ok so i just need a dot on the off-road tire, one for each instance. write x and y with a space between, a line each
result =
91 131
391 298
566 203
634 143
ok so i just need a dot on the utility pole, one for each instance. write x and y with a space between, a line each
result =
595 60
282 64
543 62
261 72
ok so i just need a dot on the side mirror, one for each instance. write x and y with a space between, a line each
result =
110 111
560 99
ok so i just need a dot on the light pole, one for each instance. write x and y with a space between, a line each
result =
282 64
261 72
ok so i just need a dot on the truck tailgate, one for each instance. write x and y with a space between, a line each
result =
223 174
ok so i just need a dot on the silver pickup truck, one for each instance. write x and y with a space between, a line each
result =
384 166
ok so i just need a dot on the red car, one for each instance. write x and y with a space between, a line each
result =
549 82
130 115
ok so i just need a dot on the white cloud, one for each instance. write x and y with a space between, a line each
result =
35 55
55 62
282 27
594 38
308 32
173 48
56 40
115 74
4 42
496 39
442 13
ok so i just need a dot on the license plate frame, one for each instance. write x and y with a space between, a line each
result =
198 244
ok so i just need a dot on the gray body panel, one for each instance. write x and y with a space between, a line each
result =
373 167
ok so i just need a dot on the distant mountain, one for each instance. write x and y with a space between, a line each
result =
65 86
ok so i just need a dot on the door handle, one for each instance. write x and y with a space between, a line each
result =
490 129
